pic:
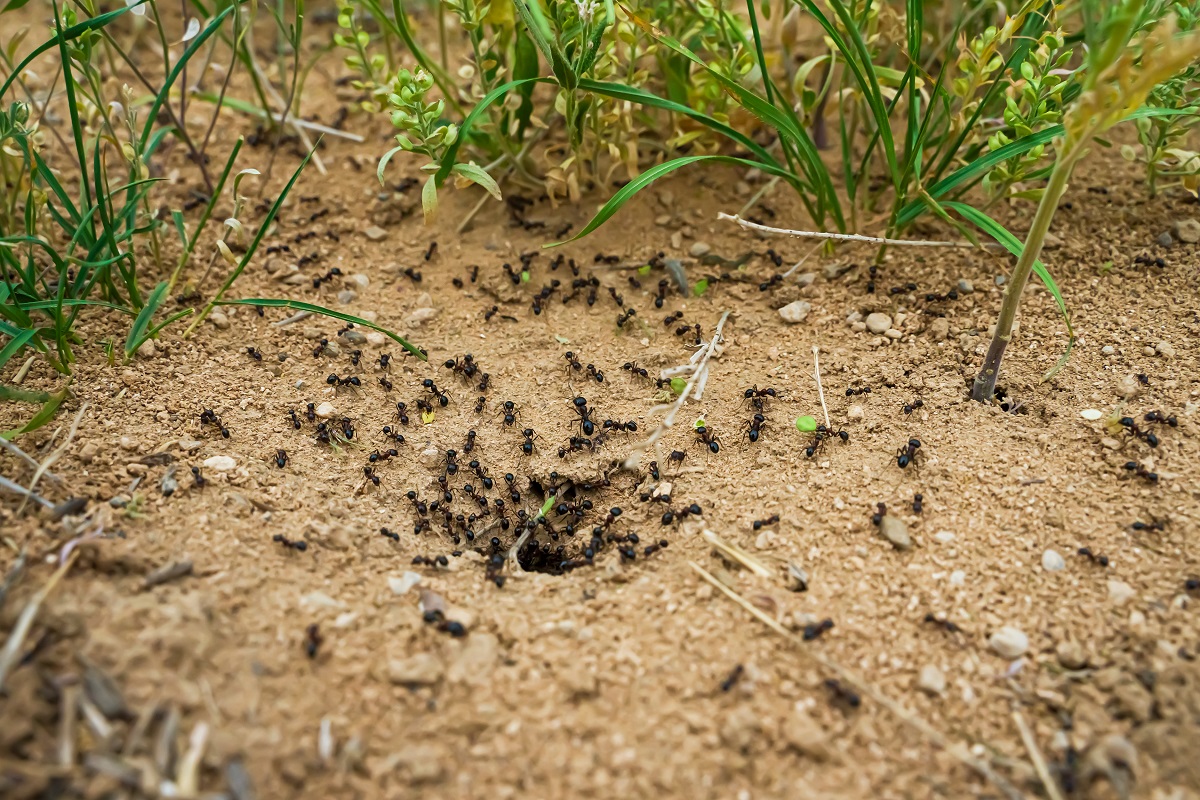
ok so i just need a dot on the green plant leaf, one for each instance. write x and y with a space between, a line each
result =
14 346
648 177
73 32
14 395
464 129
477 175
429 200
137 332
299 305
47 412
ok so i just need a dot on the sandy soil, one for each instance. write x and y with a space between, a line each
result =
634 678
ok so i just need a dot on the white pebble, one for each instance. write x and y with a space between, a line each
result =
1120 592
1091 414
931 680
220 463
404 583
796 311
1052 561
1009 642
326 410
878 322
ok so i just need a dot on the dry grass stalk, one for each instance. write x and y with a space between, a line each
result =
1035 755
840 237
639 450
934 736
735 553
16 638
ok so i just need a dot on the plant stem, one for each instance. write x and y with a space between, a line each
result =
985 382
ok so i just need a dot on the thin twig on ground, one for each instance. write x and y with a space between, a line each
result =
820 391
1035 755
840 237
12 648
640 449
28 459
934 736
54 456
734 553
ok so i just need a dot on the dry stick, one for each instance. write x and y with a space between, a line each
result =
12 648
14 574
841 237
734 553
1035 755
820 391
933 735
28 459
57 454
639 450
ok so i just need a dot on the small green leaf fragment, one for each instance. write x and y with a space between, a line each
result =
524 276
644 270
699 423
701 287
678 385
806 424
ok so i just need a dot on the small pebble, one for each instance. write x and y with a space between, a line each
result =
1187 230
354 337
358 281
1165 239
1128 387
931 680
796 311
1091 414
128 443
1165 349
895 531
419 669
1108 350
220 463
892 333
1052 561
1001 280
375 233
1071 655
219 320
347 296
855 414
404 583
878 322
1148 351
88 452
833 271
700 249
326 410
944 537
858 327
939 329
965 286
420 316
1009 642
1120 592
806 279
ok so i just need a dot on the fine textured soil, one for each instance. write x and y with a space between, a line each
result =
633 677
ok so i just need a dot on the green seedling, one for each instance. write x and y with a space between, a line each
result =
806 424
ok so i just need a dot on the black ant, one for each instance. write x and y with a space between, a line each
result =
394 435
678 516
442 396
281 458
661 294
286 542
355 357
841 694
625 316
853 392
395 537
470 445
759 524
612 425
209 417
908 453
1133 430
491 312
708 438
595 373
918 503
653 466
880 511
511 412
572 362
370 475
295 419
484 381
632 367
677 457
326 278
451 462
758 397
732 680
474 272
1141 471
402 412
321 348
915 404
822 433
586 424
349 380
620 301
385 383
466 366
1156 525
1159 417
755 428
197 478
944 624
313 640
347 428
670 319
479 404
814 630
776 259
1087 553
384 456
253 353
424 406
412 274
310 412
775 280
458 283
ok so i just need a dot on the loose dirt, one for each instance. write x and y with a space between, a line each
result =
635 678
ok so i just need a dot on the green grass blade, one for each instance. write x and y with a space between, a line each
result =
650 176
43 416
73 32
14 395
298 305
463 129
137 332
14 346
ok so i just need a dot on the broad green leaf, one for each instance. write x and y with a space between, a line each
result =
14 346
477 175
